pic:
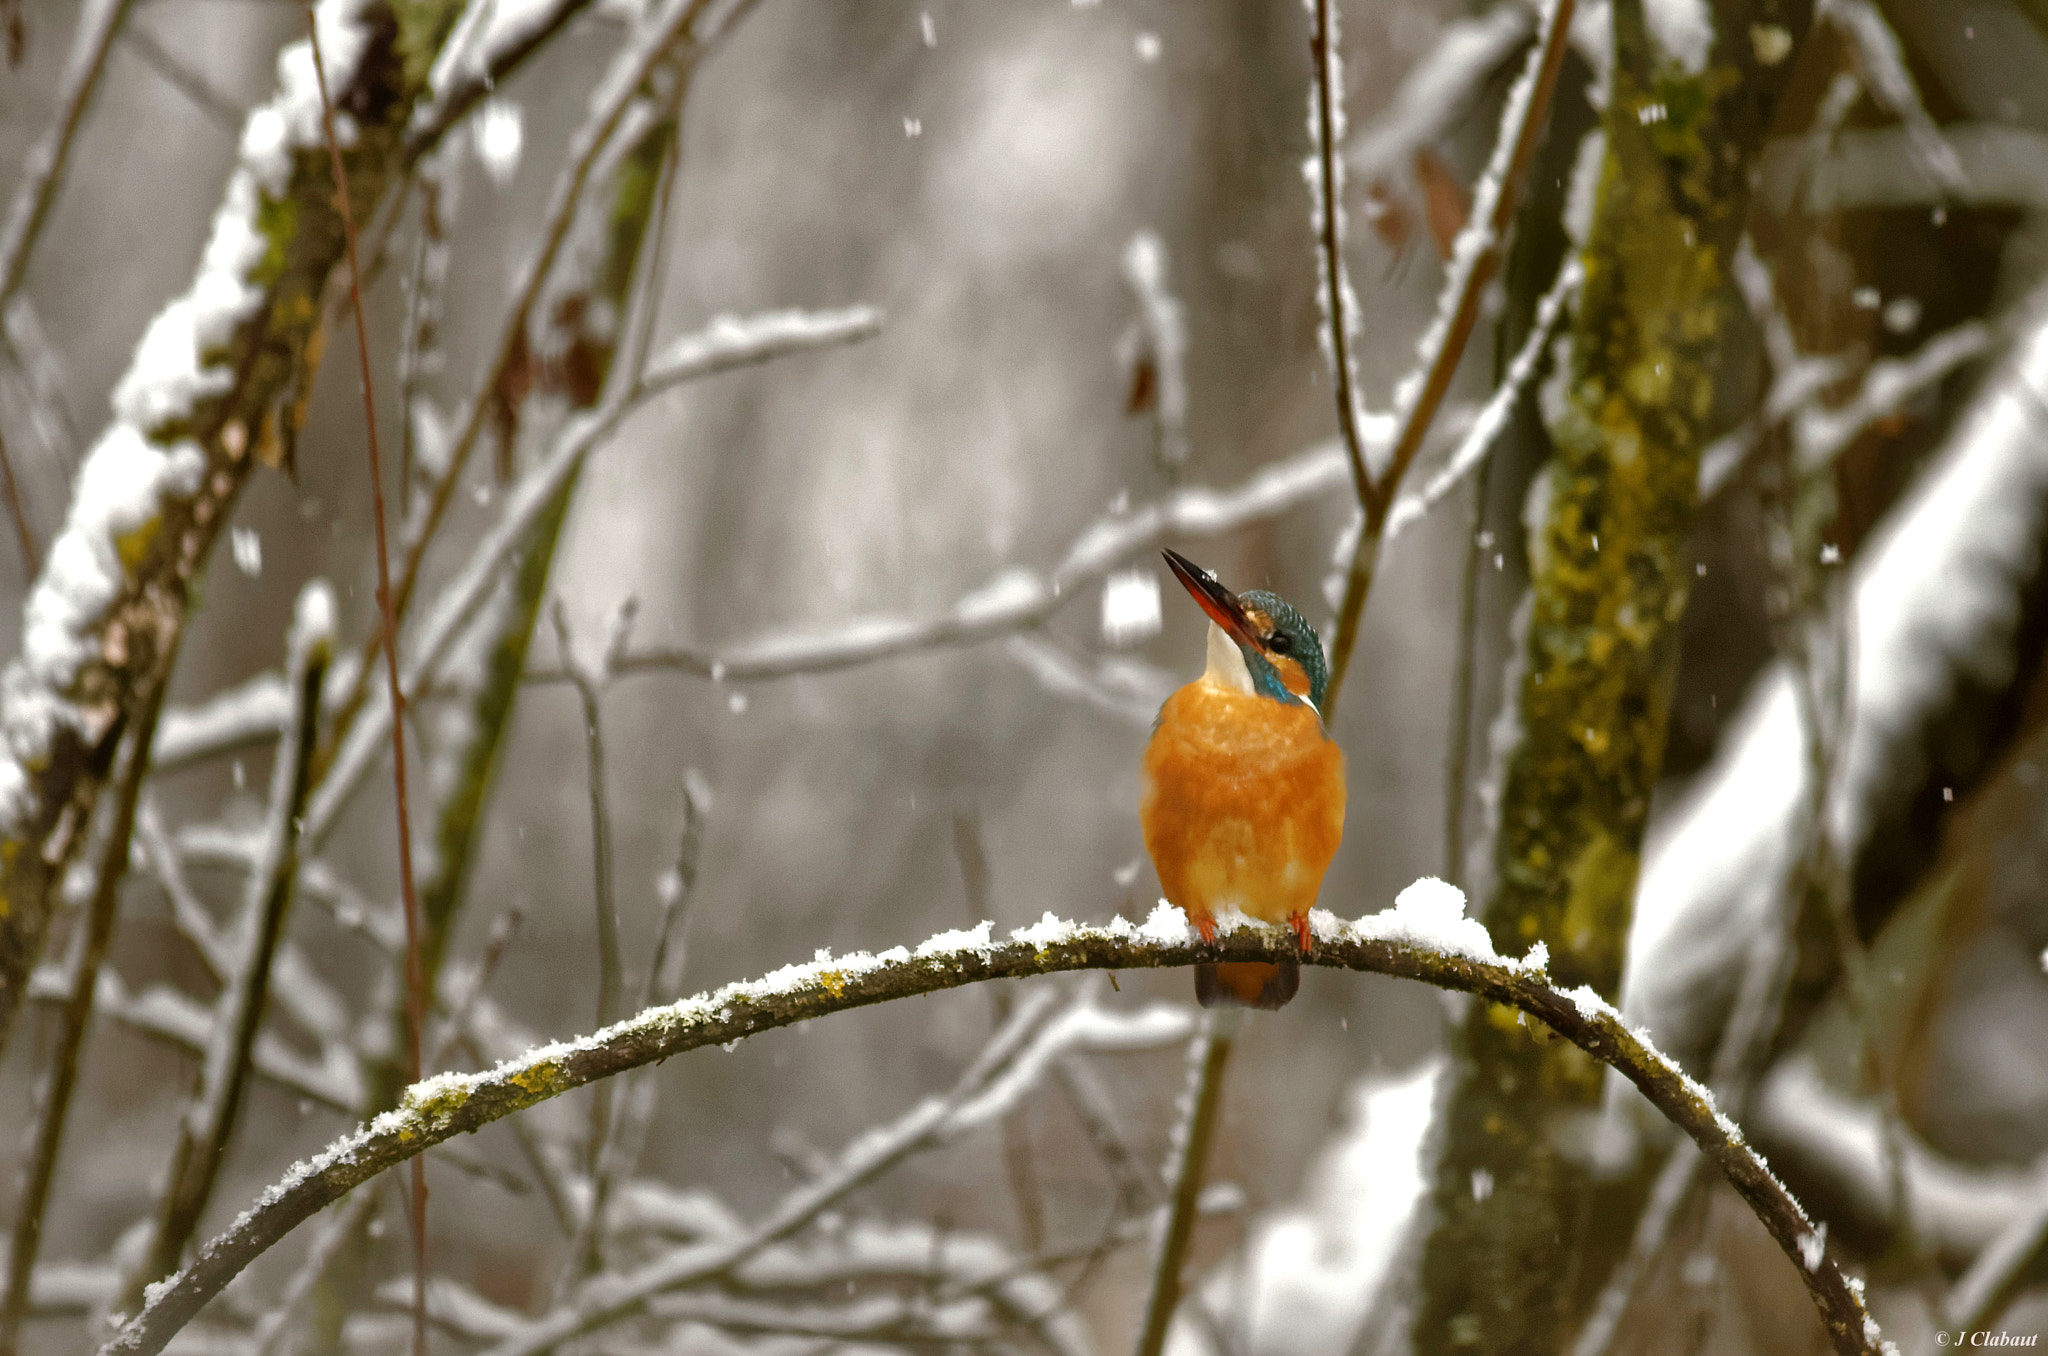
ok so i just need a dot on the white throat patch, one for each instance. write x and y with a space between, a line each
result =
1226 663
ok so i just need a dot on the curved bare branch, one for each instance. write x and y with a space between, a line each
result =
1423 938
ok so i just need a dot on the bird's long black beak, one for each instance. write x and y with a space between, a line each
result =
1220 603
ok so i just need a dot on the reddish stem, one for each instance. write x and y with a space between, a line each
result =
415 978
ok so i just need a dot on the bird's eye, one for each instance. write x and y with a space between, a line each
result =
1281 643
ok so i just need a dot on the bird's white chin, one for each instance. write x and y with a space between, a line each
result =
1226 663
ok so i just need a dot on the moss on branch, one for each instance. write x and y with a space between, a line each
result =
1514 1271
242 405
452 1104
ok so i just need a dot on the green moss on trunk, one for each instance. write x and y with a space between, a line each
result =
1523 1235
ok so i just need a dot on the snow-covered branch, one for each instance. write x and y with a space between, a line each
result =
1475 259
209 1120
1936 594
199 405
1017 599
1478 441
657 41
724 344
1438 90
1424 937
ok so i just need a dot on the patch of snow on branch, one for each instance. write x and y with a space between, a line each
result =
126 476
1439 90
1936 595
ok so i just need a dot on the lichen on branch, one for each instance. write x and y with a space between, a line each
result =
1424 937
217 384
1687 110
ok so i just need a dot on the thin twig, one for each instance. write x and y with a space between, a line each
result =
415 979
1983 1291
1208 1058
209 1122
96 931
1326 193
1137 1186
15 510
653 44
1016 601
1407 942
589 689
222 110
725 344
419 350
610 977
42 174
43 169
273 1328
1475 260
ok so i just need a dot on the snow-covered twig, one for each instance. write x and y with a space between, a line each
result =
1161 343
1438 90
1882 61
472 63
1838 1144
1820 432
1824 433
165 1014
1475 258
1936 592
1126 689
1493 416
729 342
191 416
654 43
1424 937
1007 1067
210 1118
1017 599
724 344
1324 170
1767 972
1861 168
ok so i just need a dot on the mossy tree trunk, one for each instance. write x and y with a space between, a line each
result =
1514 1255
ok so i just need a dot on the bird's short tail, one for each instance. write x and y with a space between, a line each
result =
1247 984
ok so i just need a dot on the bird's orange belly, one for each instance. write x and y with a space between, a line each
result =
1242 805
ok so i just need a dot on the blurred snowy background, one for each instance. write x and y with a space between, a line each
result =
1085 230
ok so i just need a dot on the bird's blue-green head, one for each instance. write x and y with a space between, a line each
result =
1281 650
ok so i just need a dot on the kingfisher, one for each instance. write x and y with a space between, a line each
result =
1242 801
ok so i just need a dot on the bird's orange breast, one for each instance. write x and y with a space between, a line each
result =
1242 803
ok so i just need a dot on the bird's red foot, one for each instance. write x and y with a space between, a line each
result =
1299 922
1205 925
